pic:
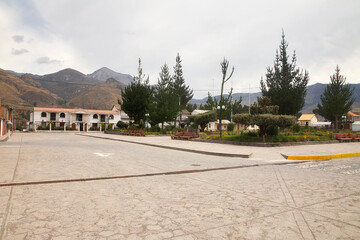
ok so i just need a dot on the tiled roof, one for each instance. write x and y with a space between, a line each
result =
71 110
306 117
353 114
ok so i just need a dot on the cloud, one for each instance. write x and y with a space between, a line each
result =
47 60
19 51
18 38
116 34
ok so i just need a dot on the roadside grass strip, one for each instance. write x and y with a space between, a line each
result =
322 157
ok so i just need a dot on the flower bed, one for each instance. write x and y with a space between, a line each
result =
284 136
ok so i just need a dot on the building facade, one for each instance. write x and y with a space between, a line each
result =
75 119
5 120
308 120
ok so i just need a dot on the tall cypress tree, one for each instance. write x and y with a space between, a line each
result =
181 90
164 106
337 98
135 98
285 84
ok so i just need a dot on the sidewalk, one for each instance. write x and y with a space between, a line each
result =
229 150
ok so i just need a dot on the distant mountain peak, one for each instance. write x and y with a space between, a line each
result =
105 73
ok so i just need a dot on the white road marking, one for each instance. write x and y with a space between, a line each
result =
103 154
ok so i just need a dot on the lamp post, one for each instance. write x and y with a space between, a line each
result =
221 107
146 120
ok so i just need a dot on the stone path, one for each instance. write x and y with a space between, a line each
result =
312 200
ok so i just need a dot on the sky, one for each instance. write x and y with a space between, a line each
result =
42 36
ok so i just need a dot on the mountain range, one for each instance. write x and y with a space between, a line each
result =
66 88
101 90
313 93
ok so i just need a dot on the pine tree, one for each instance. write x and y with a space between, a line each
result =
337 98
285 84
181 90
164 106
135 98
191 107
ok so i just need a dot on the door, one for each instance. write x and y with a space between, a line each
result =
81 127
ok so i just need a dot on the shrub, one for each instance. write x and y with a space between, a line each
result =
296 128
272 130
253 133
155 128
169 127
52 124
134 127
230 127
122 125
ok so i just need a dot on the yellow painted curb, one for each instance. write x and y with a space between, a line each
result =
344 155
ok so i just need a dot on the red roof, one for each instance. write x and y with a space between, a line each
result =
70 110
353 114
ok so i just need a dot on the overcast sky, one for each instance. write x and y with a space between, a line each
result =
43 36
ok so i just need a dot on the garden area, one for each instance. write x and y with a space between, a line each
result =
272 135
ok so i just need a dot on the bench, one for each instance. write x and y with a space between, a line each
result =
343 138
177 135
355 137
187 136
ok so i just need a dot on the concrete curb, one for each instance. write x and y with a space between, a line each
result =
322 157
175 148
266 144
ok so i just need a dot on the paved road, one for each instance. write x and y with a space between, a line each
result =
153 193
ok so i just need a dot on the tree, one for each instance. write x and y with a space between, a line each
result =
211 103
224 67
264 121
203 119
264 106
337 98
285 84
135 98
231 107
191 107
164 106
140 78
181 90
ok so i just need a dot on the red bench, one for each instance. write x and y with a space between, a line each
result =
177 135
343 138
187 135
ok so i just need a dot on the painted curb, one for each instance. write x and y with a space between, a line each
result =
322 157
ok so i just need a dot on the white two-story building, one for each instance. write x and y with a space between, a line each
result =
76 119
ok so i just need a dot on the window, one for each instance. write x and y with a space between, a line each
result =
95 116
111 117
79 117
102 118
43 114
62 115
52 116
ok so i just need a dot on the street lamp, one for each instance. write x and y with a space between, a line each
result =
221 107
146 120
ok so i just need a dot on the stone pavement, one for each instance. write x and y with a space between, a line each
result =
258 200
253 152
